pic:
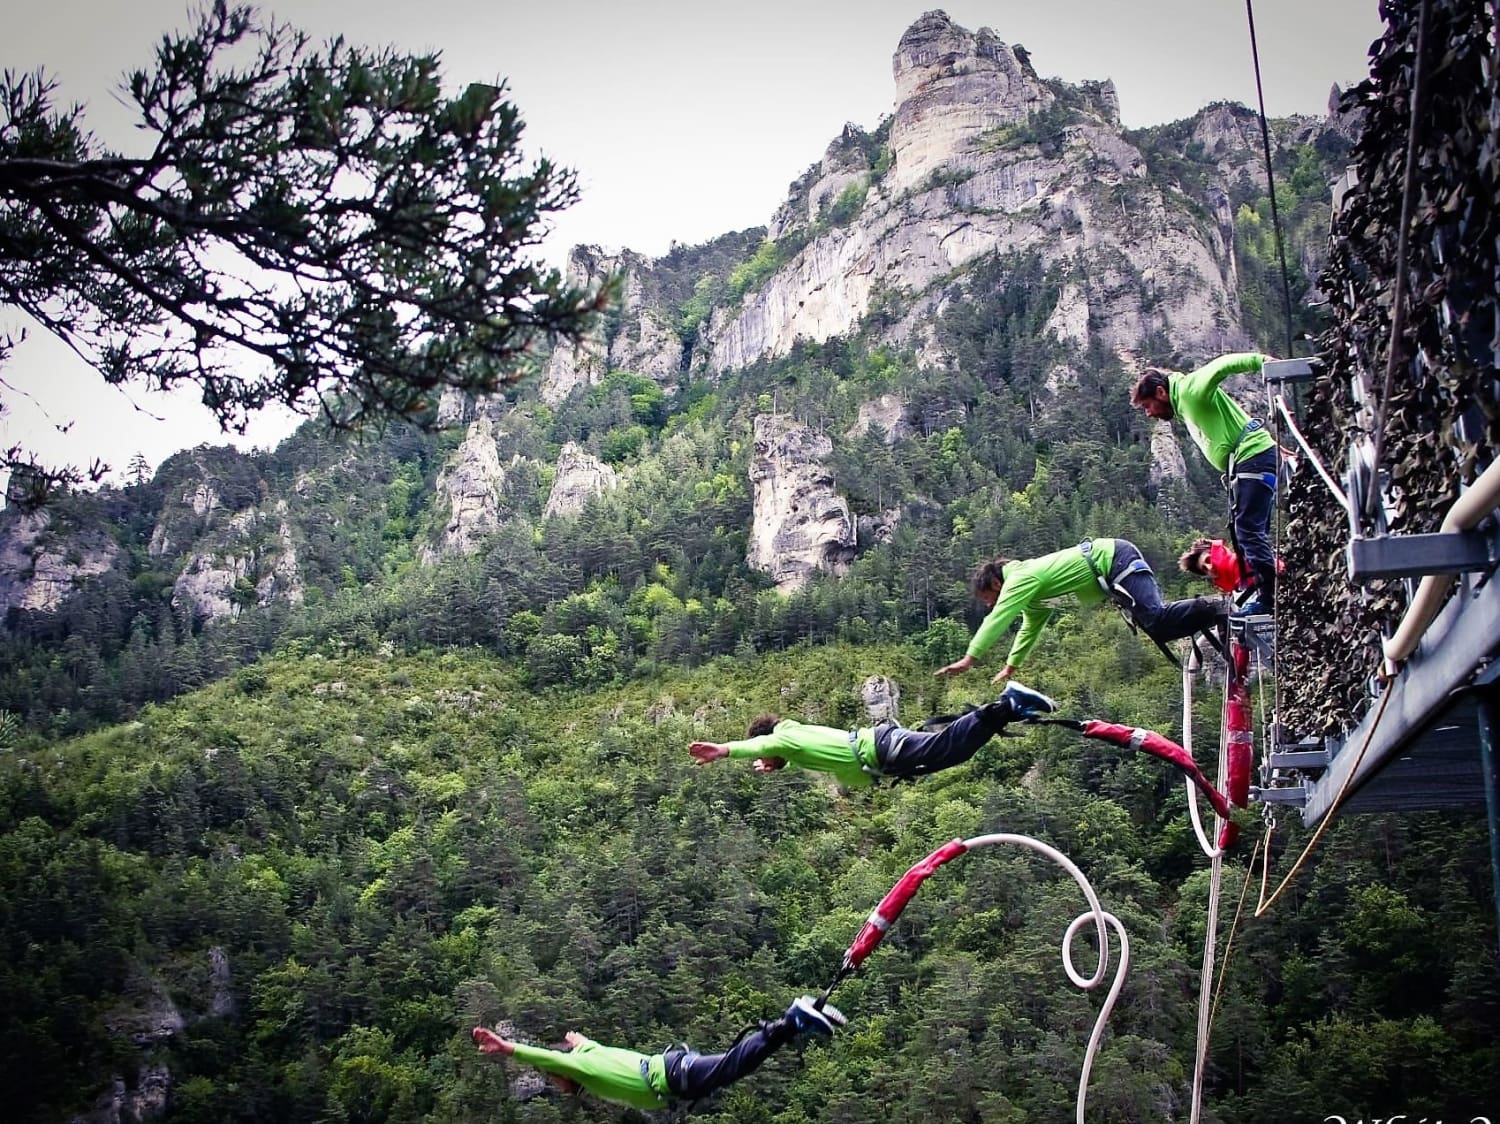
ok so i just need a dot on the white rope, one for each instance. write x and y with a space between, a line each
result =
1215 883
1100 917
1210 850
1312 457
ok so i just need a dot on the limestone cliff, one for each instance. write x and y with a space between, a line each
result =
579 478
635 337
985 157
980 157
885 416
252 560
951 88
800 524
882 698
40 564
469 492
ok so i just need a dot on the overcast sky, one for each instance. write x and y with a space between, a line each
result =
684 119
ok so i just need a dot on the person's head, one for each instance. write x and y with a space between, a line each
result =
763 724
1195 559
988 580
1152 395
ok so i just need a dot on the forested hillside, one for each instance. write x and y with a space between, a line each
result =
377 852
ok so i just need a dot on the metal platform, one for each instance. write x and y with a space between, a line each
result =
1423 754
1258 633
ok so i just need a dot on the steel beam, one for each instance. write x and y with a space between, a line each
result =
1291 794
1407 556
1299 759
1289 370
1462 639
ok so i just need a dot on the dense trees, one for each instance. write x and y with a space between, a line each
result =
383 851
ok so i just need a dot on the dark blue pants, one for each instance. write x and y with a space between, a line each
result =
1161 622
691 1075
913 753
1252 502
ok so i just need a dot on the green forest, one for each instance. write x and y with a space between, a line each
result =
387 850
292 857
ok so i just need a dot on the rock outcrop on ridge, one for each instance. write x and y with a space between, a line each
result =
800 525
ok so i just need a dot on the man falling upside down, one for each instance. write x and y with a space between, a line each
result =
860 757
649 1081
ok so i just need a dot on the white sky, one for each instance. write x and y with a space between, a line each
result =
684 119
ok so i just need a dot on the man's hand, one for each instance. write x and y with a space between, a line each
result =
491 1043
768 764
708 751
1004 673
574 1039
956 667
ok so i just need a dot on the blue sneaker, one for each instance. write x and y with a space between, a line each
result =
806 1017
1254 607
1026 703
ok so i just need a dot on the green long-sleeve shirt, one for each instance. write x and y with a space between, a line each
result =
1026 587
1213 418
610 1073
823 749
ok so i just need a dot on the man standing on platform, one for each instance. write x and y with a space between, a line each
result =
1236 444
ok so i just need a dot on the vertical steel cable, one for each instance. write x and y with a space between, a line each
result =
1398 297
1265 139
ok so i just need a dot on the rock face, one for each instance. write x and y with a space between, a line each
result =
469 487
221 996
201 499
952 86
981 157
800 524
635 338
885 415
881 697
123 1104
253 561
41 565
1166 456
845 164
879 528
580 477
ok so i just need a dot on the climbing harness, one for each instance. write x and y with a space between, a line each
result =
896 899
1120 596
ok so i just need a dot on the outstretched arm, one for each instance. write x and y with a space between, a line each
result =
956 667
1210 375
1004 673
491 1043
708 751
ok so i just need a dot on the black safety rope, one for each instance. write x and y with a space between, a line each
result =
1265 139
1398 296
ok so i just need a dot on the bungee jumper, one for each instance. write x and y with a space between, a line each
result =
1092 571
1236 444
679 1073
862 756
1215 560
